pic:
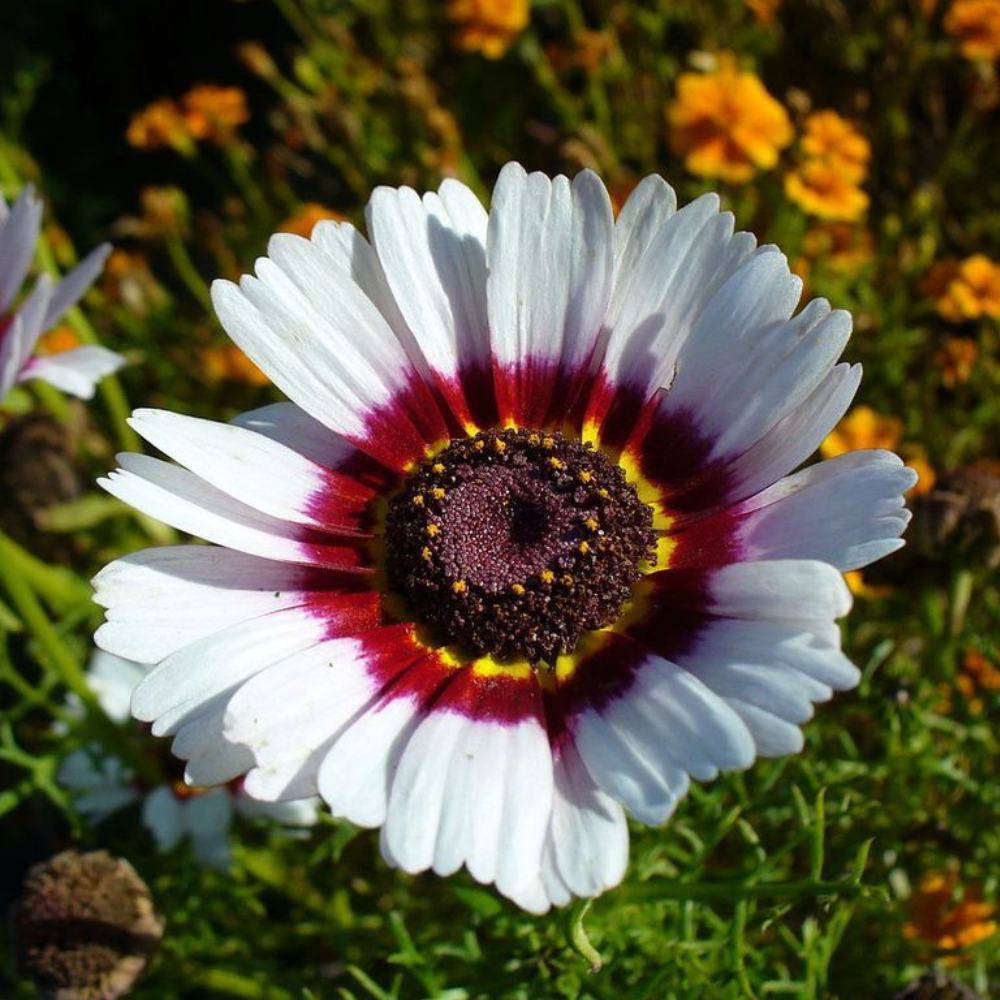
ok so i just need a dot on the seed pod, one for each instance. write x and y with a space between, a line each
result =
84 927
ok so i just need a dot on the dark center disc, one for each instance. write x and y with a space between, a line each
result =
513 543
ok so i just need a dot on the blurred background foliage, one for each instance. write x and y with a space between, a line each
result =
186 133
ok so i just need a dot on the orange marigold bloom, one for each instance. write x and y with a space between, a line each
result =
861 588
985 675
725 124
59 339
956 359
937 918
827 136
214 113
926 476
820 188
227 363
863 427
303 221
161 123
839 246
964 290
488 26
976 25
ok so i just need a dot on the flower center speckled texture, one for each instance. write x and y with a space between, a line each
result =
513 543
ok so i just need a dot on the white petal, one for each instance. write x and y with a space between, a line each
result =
259 472
297 812
667 722
472 792
586 849
294 428
357 771
185 501
657 301
160 600
71 288
19 339
18 235
550 265
162 815
207 819
847 511
433 252
290 713
113 679
76 371
184 682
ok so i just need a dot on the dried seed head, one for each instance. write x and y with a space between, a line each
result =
84 927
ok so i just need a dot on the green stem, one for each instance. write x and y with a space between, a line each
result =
579 938
225 981
28 606
803 888
187 272
58 586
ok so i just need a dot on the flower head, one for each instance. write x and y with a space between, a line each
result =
488 26
821 188
172 811
159 124
964 290
976 25
828 137
524 550
725 124
75 371
952 925
213 113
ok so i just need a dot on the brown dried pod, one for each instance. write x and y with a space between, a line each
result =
961 515
84 927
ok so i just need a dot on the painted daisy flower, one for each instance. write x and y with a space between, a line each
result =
522 552
75 371
102 784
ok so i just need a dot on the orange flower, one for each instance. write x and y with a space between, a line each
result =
159 124
860 588
976 25
835 140
61 338
725 124
956 359
214 113
227 363
303 221
127 278
764 10
981 670
863 428
926 476
938 919
839 246
488 26
820 188
964 290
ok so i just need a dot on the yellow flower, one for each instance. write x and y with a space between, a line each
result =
214 113
227 363
964 290
159 124
822 189
976 25
303 221
955 360
835 140
863 427
938 919
488 27
725 124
